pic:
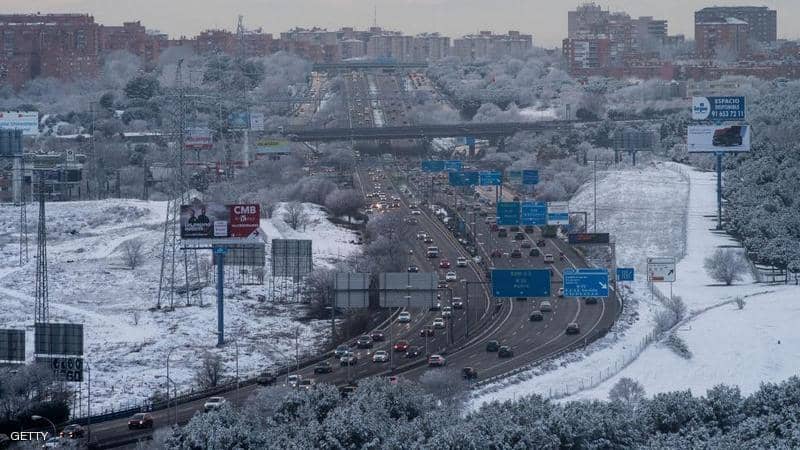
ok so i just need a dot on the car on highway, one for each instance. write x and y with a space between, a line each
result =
323 367
526 244
516 253
591 300
447 311
461 261
457 303
364 341
560 292
436 361
378 336
496 253
545 306
432 252
266 378
380 356
341 351
519 237
413 269
438 322
306 383
541 243
214 403
401 346
140 420
469 373
529 229
55 442
435 307
426 331
421 235
444 263
73 431
413 352
513 228
501 233
548 257
348 360
404 317
505 352
451 276
416 212
492 346
534 253
536 316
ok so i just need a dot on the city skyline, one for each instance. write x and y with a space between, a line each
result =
449 17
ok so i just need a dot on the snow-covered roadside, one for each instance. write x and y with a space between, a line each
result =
645 210
126 342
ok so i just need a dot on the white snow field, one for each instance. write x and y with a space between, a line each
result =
667 209
126 339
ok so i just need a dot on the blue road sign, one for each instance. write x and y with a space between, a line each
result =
491 178
625 274
533 213
520 282
508 213
469 140
513 176
530 177
220 250
718 108
432 166
585 283
452 165
463 178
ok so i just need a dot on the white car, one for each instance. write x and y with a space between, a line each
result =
214 403
548 257
461 261
380 356
294 380
404 317
451 276
421 235
438 322
545 306
416 212
447 311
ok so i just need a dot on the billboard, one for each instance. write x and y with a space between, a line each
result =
58 339
239 120
204 221
661 269
533 213
244 220
243 255
589 238
351 290
12 345
530 177
520 282
257 121
404 289
291 258
718 138
630 139
585 282
272 147
10 143
508 213
198 139
558 213
26 121
65 368
727 108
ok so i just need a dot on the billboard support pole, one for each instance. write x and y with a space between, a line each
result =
719 190
220 254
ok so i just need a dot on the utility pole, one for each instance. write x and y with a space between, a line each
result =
42 314
595 194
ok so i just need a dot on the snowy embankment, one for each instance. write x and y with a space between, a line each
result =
668 210
126 339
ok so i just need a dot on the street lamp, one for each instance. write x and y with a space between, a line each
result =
175 388
37 417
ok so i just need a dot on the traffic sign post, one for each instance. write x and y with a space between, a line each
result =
490 178
625 274
661 270
520 282
533 213
586 283
508 213
530 177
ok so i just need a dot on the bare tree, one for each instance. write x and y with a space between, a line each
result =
627 391
295 215
446 385
210 372
726 265
132 253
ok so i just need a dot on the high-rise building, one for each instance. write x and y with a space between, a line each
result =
485 45
762 22
724 38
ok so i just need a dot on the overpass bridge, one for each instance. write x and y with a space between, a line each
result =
477 130
367 65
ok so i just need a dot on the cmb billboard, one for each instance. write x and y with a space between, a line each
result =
718 138
214 220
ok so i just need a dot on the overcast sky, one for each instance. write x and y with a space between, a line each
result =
545 19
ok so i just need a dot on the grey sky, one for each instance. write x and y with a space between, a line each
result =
545 19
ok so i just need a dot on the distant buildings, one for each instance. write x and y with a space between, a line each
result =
487 45
762 22
727 31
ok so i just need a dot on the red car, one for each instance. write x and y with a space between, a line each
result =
496 253
401 346
140 420
444 264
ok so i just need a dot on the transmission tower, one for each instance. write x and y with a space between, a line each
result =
169 280
23 226
42 314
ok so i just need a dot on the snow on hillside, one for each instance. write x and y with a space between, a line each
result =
126 339
667 209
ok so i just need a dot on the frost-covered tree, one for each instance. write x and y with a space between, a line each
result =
726 265
627 391
344 202
295 215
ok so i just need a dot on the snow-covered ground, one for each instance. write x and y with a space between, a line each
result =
666 209
126 339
